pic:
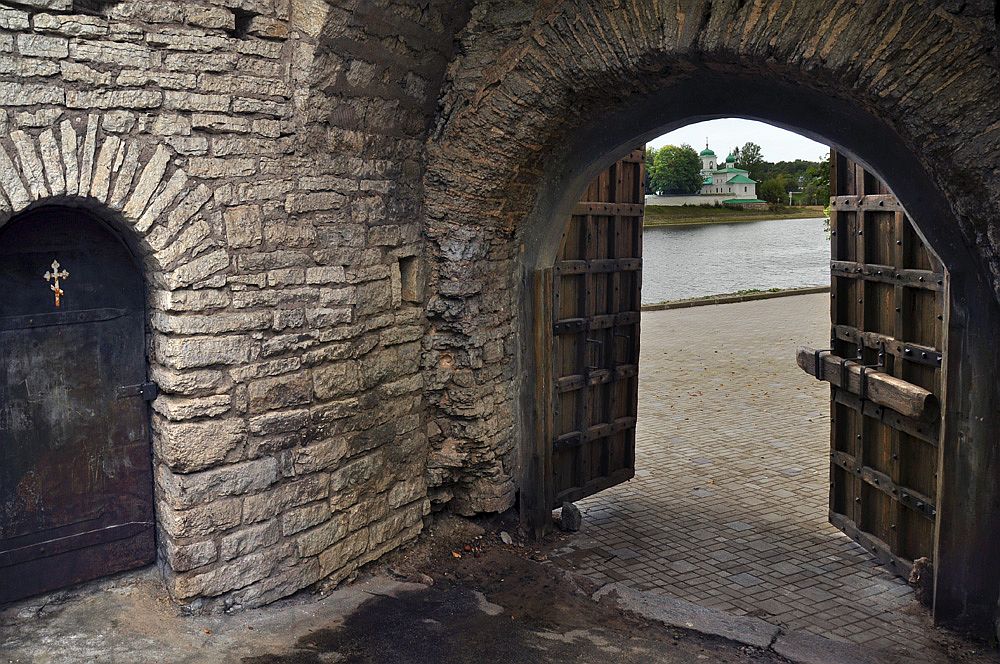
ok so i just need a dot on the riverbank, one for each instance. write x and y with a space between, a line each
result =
679 215
750 295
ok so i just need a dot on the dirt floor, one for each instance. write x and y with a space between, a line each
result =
489 601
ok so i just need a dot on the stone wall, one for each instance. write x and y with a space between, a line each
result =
264 158
338 202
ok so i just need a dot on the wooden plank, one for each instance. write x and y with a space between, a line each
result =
924 279
911 498
573 494
880 549
904 351
537 496
905 398
921 430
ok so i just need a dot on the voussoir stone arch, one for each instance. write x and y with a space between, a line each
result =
552 92
168 217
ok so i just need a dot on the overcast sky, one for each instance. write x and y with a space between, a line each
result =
725 134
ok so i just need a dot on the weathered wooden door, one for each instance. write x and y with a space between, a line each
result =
587 341
75 470
888 313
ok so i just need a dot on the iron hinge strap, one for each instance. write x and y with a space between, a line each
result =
148 391
863 387
817 362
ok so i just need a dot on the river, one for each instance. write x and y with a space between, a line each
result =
692 261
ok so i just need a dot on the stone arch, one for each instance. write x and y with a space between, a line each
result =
167 217
580 85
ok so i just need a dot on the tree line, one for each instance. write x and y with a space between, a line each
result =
676 169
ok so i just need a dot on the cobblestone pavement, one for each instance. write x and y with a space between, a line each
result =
729 505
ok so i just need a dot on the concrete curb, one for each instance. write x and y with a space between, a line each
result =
797 647
735 297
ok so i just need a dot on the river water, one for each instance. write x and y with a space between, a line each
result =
692 261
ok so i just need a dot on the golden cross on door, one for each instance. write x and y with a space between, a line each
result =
56 274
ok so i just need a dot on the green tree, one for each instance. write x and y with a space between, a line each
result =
676 170
816 183
774 190
648 156
749 157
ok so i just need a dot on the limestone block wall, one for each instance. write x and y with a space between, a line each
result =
264 159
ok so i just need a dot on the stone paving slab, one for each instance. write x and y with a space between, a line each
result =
729 505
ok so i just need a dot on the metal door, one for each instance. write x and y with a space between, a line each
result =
587 343
886 364
75 467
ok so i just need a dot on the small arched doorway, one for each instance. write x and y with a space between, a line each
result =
76 496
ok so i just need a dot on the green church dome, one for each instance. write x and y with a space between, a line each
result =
730 158
707 153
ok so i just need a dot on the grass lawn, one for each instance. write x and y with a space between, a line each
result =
677 215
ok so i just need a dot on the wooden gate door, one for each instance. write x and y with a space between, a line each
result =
888 312
587 341
75 471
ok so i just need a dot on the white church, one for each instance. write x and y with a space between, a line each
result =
719 179
722 183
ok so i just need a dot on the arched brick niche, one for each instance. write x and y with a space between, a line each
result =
553 93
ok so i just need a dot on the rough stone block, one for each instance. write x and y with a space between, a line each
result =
316 540
58 5
215 323
313 201
191 101
280 392
184 557
244 225
90 99
298 519
328 274
191 446
211 167
318 456
31 164
197 269
235 574
340 554
42 46
284 422
329 316
177 409
25 67
185 382
185 490
13 19
202 351
150 179
284 496
201 520
77 25
336 379
249 539
189 300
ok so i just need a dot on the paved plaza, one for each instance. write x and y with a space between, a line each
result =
729 505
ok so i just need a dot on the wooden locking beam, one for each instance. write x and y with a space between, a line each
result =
905 398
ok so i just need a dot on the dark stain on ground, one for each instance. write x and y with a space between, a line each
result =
545 616
439 625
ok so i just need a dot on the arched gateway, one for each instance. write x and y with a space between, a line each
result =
580 88
76 489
